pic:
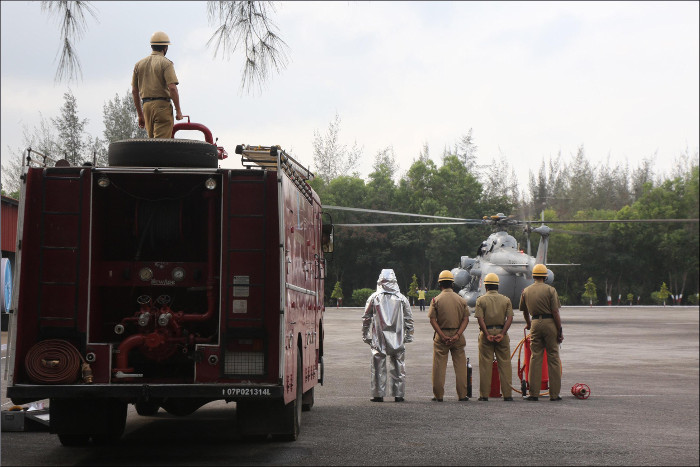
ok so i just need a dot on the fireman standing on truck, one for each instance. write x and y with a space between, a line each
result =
542 302
153 85
494 312
386 326
449 317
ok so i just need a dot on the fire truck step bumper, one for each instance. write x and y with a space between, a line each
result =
28 393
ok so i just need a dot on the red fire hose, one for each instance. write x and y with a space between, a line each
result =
53 361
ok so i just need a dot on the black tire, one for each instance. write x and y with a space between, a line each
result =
73 440
307 400
164 152
255 438
292 410
115 423
147 408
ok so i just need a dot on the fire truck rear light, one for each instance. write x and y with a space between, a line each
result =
210 184
146 274
244 363
103 182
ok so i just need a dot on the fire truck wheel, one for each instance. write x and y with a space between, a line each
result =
307 400
147 408
162 153
114 423
73 440
292 411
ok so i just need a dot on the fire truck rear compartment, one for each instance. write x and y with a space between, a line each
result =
155 260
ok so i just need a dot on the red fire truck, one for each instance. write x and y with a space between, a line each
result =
166 282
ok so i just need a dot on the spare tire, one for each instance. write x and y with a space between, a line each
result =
164 152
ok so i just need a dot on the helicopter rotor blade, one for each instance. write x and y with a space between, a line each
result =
396 224
573 232
375 211
621 221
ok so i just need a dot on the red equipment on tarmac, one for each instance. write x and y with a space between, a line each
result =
581 391
495 380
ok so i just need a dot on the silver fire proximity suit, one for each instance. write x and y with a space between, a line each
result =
386 326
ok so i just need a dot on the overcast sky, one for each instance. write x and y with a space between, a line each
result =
530 79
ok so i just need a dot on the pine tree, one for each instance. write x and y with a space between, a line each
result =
590 292
337 294
72 140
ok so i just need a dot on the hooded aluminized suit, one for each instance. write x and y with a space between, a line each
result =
386 326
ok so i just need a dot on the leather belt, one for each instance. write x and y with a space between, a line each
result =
449 329
546 315
149 99
494 327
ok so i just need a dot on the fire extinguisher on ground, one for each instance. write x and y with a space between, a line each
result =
469 378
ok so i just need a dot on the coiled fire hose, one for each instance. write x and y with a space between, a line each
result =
56 361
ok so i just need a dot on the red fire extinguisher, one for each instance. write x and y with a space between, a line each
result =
495 380
523 373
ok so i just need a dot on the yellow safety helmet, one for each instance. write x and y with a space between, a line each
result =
491 279
540 270
160 38
446 276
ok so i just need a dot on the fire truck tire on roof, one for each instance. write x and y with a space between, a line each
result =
162 153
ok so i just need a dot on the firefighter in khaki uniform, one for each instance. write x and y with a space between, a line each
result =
542 302
449 316
495 314
153 85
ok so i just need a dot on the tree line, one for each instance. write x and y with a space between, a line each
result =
621 259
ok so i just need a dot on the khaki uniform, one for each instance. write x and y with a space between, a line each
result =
494 308
539 299
449 310
152 75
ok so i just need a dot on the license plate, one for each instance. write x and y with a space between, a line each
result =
246 392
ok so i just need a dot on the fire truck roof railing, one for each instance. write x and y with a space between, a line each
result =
269 157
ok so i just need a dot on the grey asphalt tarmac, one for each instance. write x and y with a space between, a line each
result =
641 364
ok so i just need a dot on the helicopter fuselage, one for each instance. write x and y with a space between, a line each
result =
499 254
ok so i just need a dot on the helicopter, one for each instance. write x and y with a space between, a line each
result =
499 253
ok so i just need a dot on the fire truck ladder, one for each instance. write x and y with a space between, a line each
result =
59 249
274 157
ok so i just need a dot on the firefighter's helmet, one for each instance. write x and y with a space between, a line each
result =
540 270
491 279
446 276
160 38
